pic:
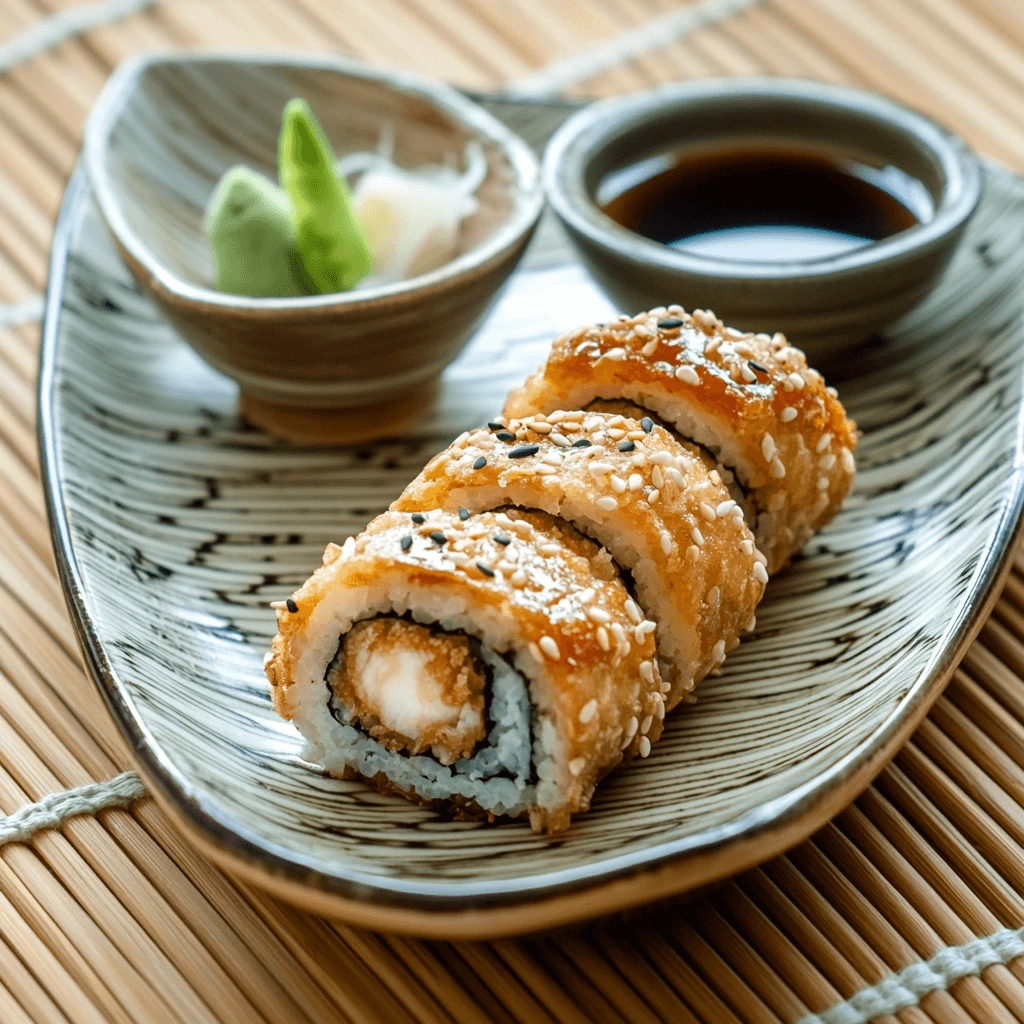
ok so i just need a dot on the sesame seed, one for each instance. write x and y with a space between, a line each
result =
823 442
760 573
714 596
778 469
598 438
659 707
718 651
665 686
648 424
523 451
688 374
576 765
560 440
534 651
437 537
708 511
633 610
463 514
582 443
549 647
626 446
757 367
417 519
644 746
587 712
647 671
748 375
546 470
480 463
653 496
521 526
278 605
647 626
650 348
747 546
751 623
550 549
618 484
796 380
657 477
661 459
788 414
698 537
607 503
518 578
406 542
827 461
675 476
632 727
540 428
602 639
458 557
500 538
645 725
598 614
823 483
291 605
598 468
495 426
846 457
616 433
723 508
619 633
667 544
768 447
670 323
616 354
505 435
636 481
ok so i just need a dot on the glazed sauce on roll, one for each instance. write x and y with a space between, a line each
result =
763 205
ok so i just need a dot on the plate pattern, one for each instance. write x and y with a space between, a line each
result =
176 524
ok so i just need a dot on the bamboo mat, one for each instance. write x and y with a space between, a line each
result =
115 918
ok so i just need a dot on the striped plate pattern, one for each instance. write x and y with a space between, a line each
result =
176 524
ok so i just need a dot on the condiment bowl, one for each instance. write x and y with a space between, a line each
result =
826 305
322 368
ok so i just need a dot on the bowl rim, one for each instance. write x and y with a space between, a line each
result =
568 155
111 104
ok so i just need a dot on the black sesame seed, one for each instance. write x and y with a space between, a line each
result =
669 322
505 436
485 569
480 463
463 514
648 424
523 451
292 606
501 539
417 518
495 426
406 542
626 446
757 366
583 442
437 537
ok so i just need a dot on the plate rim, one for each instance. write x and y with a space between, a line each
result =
503 906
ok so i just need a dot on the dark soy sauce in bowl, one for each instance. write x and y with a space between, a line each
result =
763 205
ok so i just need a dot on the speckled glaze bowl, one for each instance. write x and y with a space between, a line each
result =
825 305
341 367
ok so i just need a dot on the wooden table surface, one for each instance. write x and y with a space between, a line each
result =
115 918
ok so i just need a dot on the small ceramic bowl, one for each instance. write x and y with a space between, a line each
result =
322 368
824 304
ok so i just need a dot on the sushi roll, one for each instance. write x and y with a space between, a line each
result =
470 660
668 522
779 437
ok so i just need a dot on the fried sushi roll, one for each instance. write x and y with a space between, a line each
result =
647 498
749 399
464 660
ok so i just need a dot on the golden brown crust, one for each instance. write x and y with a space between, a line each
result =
787 435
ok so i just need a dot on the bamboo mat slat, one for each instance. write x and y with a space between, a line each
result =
116 918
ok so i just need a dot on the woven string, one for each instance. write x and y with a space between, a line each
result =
58 807
908 986
650 36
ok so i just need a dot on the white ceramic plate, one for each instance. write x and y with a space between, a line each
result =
175 525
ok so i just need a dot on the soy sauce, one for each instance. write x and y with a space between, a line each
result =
763 205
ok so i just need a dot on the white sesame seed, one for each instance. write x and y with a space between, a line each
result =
618 484
796 380
649 349
550 648
768 447
751 623
827 461
653 496
708 511
657 477
278 605
723 508
503 520
647 626
544 469
693 552
619 633
633 611
644 746
598 614
747 546
675 476
666 686
760 573
615 354
716 477
832 391
778 469
638 459
636 482
540 428
518 578
586 596
743 349
718 651
698 537
632 727
661 459
714 596
607 503
551 459
788 414
602 639
647 671
823 442
659 707
576 765
823 483
846 457
560 439
667 544
747 374
550 549
458 557
637 435
588 711
688 374
598 438
616 433
645 725
534 651
598 468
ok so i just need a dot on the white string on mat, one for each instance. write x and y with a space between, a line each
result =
908 986
28 311
72 21
56 808
658 32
